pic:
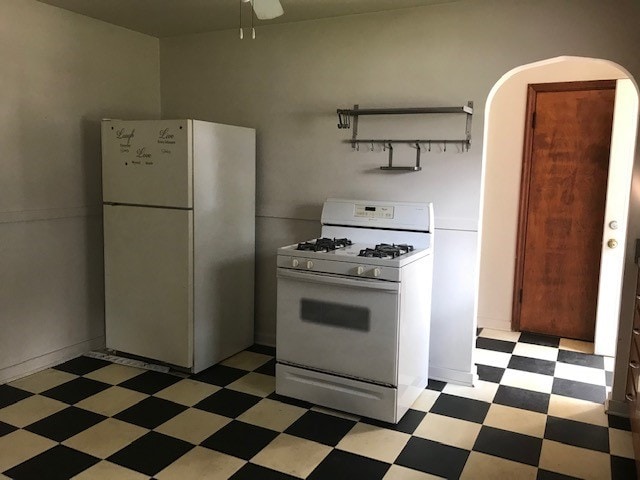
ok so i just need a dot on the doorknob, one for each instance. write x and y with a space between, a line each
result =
612 243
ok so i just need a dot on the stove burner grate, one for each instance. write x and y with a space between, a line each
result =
384 250
324 244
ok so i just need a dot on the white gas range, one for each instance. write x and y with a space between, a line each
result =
354 307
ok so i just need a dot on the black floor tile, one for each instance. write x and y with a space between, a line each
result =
251 471
150 382
622 468
10 395
534 365
240 439
150 412
264 349
65 423
339 465
219 375
82 365
59 462
268 368
321 428
228 403
407 424
582 359
433 458
487 373
621 423
510 445
538 339
436 385
495 345
547 475
5 429
462 408
520 398
150 453
579 434
583 391
608 379
75 390
290 401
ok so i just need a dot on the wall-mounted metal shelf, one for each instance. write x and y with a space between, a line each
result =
348 118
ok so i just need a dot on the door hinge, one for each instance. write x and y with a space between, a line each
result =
533 120
520 296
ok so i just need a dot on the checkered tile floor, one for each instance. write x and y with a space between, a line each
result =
537 412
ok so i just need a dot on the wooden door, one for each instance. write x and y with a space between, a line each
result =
562 205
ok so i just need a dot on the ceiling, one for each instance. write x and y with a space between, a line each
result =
164 18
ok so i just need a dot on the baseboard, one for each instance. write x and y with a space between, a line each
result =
494 324
453 376
268 339
616 407
47 360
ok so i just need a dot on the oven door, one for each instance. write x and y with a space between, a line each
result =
338 324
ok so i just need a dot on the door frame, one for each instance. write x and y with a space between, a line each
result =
525 179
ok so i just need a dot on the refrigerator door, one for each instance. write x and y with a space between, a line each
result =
147 162
148 261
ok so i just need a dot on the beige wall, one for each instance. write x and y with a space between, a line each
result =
288 82
61 73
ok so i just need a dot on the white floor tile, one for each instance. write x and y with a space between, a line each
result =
491 358
579 373
374 442
483 466
574 461
621 443
536 351
448 430
516 420
483 391
577 410
527 380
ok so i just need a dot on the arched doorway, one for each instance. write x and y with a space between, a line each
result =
501 172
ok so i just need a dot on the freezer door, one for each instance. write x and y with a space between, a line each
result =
147 162
148 260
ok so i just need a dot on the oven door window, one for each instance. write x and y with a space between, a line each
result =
339 325
335 314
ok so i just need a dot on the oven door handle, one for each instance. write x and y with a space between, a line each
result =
337 280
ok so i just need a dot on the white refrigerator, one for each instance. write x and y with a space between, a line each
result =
179 239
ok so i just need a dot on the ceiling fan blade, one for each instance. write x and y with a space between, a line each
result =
267 9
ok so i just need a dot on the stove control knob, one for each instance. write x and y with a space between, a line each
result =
309 265
360 270
295 262
376 272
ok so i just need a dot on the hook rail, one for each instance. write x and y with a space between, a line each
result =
348 118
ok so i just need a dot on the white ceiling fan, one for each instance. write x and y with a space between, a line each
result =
264 10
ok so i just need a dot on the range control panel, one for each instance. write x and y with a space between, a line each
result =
373 211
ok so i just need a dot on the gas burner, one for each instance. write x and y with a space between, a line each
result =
324 244
384 250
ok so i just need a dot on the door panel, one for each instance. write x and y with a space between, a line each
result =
149 282
563 213
338 325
